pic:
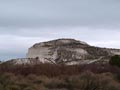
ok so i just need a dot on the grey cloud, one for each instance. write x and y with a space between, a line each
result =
41 13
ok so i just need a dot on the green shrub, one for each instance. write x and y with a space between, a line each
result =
115 60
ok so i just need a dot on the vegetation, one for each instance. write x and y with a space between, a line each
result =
84 81
59 77
115 60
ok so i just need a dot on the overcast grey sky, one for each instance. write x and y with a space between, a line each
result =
25 22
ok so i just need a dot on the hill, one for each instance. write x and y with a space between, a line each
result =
69 51
66 51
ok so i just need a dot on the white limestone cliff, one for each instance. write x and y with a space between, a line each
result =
68 51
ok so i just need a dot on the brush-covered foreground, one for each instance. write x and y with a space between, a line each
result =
52 77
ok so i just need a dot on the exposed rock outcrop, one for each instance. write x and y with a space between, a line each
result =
65 51
69 51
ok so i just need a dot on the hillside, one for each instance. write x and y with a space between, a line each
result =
69 51
66 51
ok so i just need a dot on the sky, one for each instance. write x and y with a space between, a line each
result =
26 22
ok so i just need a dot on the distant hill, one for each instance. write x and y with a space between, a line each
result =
66 51
69 51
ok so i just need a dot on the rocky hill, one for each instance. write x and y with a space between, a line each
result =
65 51
69 51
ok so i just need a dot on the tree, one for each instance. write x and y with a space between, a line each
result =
115 60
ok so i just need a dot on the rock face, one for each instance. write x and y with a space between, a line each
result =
69 51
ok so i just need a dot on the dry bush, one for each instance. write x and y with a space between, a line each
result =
59 77
52 70
85 81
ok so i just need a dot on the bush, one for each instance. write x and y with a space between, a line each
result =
115 60
84 81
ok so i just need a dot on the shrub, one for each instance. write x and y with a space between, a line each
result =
89 81
115 60
13 87
55 83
